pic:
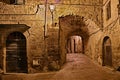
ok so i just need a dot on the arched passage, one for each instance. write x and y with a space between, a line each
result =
107 52
16 58
69 26
74 44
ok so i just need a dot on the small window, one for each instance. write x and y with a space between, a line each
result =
19 2
12 1
108 10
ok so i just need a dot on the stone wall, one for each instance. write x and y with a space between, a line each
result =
29 15
91 35
111 29
46 48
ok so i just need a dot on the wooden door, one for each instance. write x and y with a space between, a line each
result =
107 53
108 56
16 59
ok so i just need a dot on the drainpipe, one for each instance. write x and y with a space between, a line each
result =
45 29
45 23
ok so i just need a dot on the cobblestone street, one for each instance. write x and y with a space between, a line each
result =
78 67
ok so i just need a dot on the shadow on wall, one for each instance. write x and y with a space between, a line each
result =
118 69
8 1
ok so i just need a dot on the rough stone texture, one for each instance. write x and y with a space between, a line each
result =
53 48
32 13
85 18
74 44
29 15
111 29
77 25
77 67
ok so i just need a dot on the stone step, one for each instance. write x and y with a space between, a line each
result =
21 76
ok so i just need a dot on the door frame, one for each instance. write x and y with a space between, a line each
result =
5 54
106 42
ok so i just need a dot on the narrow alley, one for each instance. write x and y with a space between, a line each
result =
78 67
59 39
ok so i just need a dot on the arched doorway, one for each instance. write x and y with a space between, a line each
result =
16 58
74 44
107 52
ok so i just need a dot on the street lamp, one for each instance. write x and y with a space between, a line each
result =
52 8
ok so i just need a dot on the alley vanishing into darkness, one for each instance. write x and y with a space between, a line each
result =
78 67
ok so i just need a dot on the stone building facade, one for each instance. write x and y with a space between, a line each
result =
33 38
111 30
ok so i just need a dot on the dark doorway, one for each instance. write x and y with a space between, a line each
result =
16 58
74 44
107 52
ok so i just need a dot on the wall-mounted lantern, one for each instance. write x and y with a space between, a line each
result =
52 9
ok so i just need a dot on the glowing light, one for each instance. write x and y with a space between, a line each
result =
52 8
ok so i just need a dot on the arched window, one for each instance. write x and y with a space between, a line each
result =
108 10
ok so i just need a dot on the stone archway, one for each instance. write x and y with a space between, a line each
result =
74 44
107 52
71 25
16 57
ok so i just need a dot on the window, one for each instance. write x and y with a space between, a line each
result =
19 2
108 10
12 1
